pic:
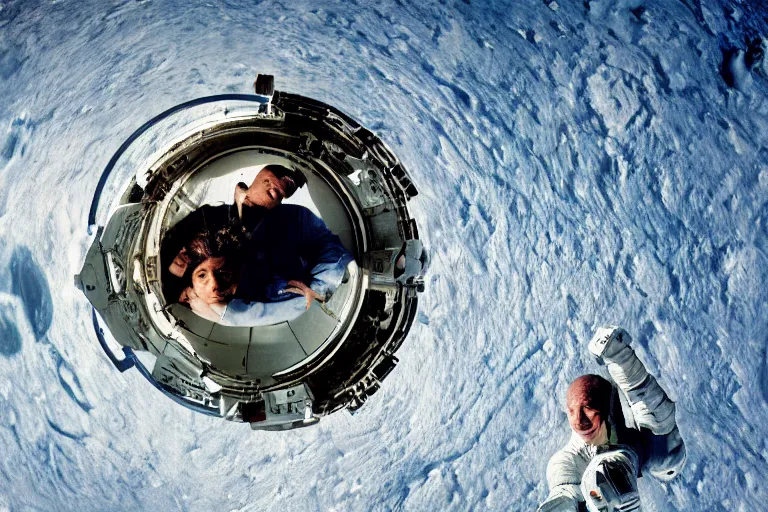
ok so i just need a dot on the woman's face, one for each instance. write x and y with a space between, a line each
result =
205 281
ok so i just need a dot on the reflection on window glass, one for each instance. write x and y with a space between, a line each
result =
258 258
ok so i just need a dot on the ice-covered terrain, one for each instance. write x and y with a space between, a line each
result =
579 163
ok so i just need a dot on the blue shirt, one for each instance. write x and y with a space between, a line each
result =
287 243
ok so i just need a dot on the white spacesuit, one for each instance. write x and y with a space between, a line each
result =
642 437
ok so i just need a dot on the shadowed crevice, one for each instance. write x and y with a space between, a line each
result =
30 284
10 337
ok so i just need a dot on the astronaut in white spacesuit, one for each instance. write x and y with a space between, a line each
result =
620 432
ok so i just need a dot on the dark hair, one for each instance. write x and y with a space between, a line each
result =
224 243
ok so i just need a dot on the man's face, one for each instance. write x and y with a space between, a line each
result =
205 281
268 191
584 419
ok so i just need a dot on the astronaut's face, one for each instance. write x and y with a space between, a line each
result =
584 419
207 281
268 190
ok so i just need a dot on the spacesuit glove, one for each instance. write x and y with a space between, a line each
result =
608 342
